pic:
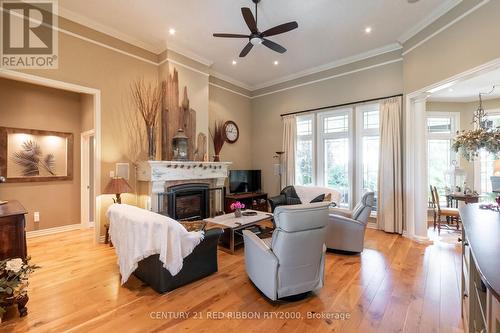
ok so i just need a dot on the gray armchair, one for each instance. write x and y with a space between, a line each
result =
348 233
292 261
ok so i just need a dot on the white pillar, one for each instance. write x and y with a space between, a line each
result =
416 168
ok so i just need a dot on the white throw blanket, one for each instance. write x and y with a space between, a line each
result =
307 193
137 234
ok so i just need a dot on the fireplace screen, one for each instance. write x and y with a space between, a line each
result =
190 202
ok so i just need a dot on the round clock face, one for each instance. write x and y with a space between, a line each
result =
232 132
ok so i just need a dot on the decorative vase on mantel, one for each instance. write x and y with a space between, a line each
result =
151 143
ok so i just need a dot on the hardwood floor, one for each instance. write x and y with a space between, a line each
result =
395 285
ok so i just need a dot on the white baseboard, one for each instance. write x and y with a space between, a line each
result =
101 239
91 224
372 225
50 231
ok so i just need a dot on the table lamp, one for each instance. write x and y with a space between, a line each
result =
2 180
117 186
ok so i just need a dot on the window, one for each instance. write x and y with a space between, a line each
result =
369 149
304 151
441 129
484 163
334 151
327 144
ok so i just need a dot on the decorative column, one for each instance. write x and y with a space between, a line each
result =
415 168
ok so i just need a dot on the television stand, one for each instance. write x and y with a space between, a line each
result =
254 200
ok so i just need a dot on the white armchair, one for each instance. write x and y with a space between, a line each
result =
348 233
292 261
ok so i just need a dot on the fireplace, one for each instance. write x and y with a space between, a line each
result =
187 202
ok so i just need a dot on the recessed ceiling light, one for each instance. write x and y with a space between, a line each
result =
368 30
234 62
171 31
450 89
276 63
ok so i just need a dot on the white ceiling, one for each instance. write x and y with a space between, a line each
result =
330 31
469 89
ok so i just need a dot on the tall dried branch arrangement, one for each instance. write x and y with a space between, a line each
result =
136 132
218 136
148 99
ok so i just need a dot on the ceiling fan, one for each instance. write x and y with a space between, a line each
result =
256 37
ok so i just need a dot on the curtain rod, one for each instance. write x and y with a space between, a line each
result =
339 105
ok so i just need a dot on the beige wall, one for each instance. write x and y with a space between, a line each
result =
87 112
266 121
30 106
225 105
468 43
91 65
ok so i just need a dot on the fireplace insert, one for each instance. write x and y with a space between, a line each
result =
186 202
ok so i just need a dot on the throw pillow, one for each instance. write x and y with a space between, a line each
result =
293 201
328 197
319 198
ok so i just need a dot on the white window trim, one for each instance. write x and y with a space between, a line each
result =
320 137
311 137
455 126
360 133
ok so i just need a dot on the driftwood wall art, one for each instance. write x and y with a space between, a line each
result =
176 115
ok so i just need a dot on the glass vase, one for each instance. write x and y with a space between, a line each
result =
237 213
151 143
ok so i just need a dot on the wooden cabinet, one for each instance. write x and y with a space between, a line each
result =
480 269
12 231
255 201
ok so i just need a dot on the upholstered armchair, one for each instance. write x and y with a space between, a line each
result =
347 233
292 261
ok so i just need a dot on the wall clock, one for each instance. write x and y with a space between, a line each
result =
232 131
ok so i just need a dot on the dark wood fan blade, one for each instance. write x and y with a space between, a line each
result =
274 46
245 50
231 36
249 19
282 28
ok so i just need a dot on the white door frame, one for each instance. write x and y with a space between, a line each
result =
416 152
96 93
85 175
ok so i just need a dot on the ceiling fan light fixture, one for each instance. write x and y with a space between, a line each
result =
256 40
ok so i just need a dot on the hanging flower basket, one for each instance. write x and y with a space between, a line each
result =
470 143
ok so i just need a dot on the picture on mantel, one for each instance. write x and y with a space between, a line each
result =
177 115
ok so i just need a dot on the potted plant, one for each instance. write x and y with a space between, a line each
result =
237 207
14 275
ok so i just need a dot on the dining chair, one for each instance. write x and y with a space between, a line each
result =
447 212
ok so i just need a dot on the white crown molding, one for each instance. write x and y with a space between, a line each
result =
330 77
230 90
231 80
337 63
437 13
188 54
185 66
85 21
435 33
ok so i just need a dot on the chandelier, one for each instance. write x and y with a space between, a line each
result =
483 136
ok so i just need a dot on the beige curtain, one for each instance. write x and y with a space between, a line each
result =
289 143
390 179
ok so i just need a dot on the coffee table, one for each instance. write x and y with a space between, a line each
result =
235 225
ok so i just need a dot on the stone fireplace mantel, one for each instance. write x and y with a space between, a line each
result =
161 174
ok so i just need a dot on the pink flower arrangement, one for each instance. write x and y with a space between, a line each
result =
237 205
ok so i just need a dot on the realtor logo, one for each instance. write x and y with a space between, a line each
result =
29 37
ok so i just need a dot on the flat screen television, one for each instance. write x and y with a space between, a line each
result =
243 181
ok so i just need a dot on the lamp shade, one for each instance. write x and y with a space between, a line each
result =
117 185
